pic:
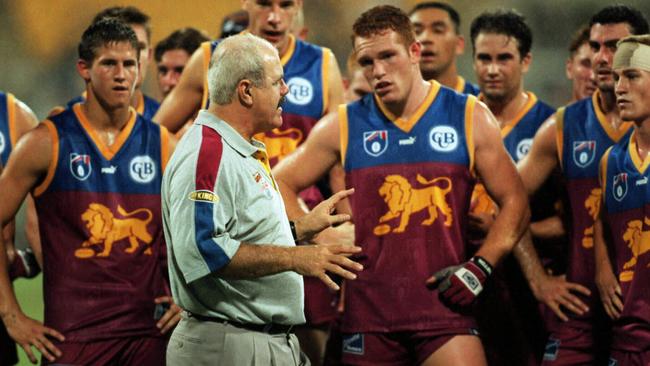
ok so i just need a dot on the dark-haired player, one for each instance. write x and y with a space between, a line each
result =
95 172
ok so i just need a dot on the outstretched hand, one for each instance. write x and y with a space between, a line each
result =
317 260
321 216
29 333
557 293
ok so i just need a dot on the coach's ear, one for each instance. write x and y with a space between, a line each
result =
83 68
245 93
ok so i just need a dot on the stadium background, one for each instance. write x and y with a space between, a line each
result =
39 39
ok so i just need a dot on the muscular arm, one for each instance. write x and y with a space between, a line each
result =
534 169
25 121
27 165
498 174
185 99
309 163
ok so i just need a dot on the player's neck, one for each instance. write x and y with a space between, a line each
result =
607 101
607 104
506 109
642 137
416 97
138 96
102 118
448 78
284 46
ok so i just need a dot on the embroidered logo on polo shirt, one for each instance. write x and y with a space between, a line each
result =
204 195
80 166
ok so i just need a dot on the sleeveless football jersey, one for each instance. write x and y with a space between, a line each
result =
518 137
413 180
626 195
466 87
583 135
7 126
147 107
101 228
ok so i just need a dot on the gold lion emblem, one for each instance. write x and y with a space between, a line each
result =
403 200
639 243
281 143
592 204
106 229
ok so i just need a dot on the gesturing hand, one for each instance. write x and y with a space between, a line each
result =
29 333
317 260
321 216
461 284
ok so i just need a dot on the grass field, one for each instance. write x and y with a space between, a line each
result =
30 297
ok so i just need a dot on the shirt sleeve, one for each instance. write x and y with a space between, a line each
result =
205 212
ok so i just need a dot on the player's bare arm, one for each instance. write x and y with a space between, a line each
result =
534 169
608 286
26 168
311 161
499 175
172 316
252 261
25 121
185 99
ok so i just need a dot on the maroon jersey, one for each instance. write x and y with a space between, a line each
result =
626 197
584 134
101 229
413 182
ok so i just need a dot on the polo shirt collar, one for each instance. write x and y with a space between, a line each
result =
229 134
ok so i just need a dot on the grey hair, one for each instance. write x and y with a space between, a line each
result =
236 58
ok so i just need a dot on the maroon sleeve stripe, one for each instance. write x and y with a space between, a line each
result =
207 166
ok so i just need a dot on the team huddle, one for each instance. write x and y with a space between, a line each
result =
270 211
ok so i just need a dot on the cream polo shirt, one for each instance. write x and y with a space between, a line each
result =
217 194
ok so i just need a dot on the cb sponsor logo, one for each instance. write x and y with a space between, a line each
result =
301 92
443 138
142 169
523 147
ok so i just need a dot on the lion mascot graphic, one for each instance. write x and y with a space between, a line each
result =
637 240
592 204
403 200
106 229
